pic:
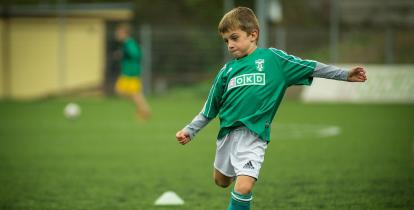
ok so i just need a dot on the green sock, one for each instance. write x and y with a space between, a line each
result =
239 201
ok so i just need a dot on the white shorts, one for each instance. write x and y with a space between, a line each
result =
241 152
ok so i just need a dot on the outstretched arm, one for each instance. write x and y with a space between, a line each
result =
356 74
188 132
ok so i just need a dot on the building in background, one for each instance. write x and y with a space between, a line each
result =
49 50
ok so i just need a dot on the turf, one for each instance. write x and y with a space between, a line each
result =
107 159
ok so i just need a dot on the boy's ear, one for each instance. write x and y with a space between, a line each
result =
255 35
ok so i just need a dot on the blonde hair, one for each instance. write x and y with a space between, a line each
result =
242 18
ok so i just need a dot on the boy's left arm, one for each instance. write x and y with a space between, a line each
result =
357 74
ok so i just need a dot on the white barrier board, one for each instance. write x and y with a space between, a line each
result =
385 84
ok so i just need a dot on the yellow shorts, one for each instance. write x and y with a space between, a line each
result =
126 85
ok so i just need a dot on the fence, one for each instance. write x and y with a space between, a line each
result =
185 55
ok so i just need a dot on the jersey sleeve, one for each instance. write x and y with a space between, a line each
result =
199 122
296 70
330 72
213 103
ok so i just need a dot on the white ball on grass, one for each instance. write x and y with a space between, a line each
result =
72 111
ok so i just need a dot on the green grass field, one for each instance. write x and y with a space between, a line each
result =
107 159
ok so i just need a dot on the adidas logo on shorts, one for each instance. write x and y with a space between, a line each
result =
248 165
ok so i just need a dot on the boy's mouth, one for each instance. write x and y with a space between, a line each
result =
233 52
236 54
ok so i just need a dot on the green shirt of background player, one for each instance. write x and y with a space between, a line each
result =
129 83
130 63
246 94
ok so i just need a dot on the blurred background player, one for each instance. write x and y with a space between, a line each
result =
128 83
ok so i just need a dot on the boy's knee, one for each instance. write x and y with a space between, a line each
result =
244 185
221 180
243 188
222 183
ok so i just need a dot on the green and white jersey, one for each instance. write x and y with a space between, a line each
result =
248 91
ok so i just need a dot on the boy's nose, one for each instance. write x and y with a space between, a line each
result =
230 46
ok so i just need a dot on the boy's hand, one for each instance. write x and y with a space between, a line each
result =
182 137
357 75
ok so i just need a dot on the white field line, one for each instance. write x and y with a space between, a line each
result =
304 131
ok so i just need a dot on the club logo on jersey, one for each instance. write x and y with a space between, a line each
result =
259 64
247 79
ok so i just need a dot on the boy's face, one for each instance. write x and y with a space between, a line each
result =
239 43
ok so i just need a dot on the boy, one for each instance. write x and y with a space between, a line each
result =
246 94
128 83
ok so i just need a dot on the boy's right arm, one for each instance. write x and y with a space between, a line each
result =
210 110
188 132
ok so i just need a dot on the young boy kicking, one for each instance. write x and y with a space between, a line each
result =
246 94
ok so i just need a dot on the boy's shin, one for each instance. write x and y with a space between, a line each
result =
240 201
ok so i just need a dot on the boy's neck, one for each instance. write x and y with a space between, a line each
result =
254 47
250 51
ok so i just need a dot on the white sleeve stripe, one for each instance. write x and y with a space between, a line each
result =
212 91
204 107
272 49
